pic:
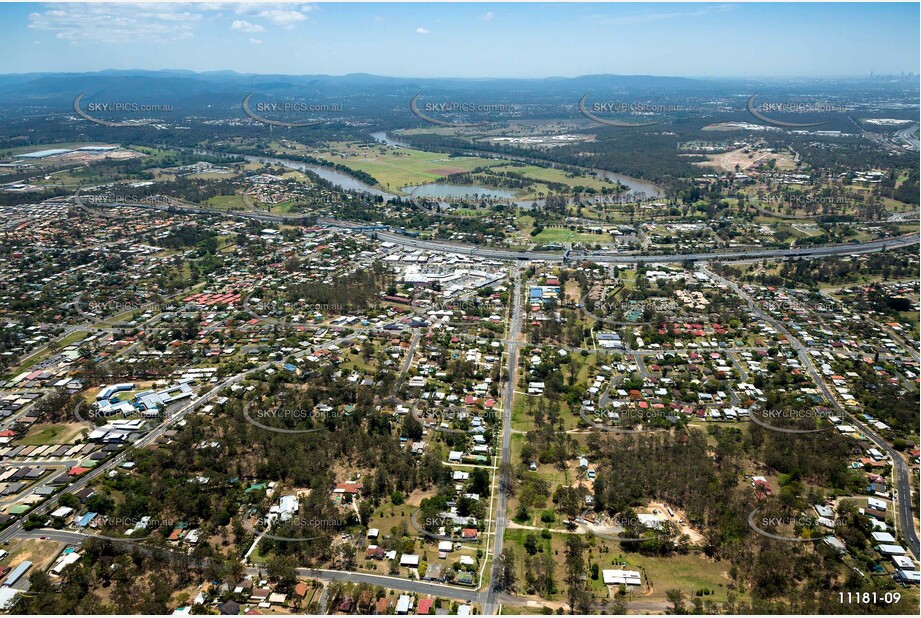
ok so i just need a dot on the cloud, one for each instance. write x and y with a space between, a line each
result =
645 18
244 26
255 41
284 18
117 23
283 14
488 16
156 22
422 31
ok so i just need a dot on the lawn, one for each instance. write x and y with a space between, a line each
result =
52 434
565 235
688 573
227 202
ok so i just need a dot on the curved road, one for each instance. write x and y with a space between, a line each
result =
903 476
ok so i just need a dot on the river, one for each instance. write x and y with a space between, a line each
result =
334 177
437 190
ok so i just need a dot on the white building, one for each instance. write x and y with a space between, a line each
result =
616 577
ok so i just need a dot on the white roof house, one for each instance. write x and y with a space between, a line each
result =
404 603
883 537
614 577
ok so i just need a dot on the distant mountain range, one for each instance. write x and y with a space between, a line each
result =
220 89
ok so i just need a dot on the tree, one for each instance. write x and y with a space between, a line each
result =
281 569
575 570
530 543
479 482
505 569
676 598
411 429
348 556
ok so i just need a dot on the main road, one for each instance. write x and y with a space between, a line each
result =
149 438
433 589
501 516
902 473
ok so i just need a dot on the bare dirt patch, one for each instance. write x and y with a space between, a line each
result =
445 171
727 161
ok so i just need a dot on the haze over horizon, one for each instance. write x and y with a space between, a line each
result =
482 40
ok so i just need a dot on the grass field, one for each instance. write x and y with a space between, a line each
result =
228 202
52 434
394 168
565 235
688 573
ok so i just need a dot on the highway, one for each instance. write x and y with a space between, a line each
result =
909 135
633 258
901 471
871 246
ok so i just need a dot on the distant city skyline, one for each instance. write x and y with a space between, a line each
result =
533 40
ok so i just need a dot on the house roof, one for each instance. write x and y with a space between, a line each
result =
347 488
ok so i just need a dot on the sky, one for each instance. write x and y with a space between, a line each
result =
466 40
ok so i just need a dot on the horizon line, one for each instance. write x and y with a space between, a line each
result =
873 74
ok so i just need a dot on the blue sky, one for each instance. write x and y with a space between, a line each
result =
466 40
